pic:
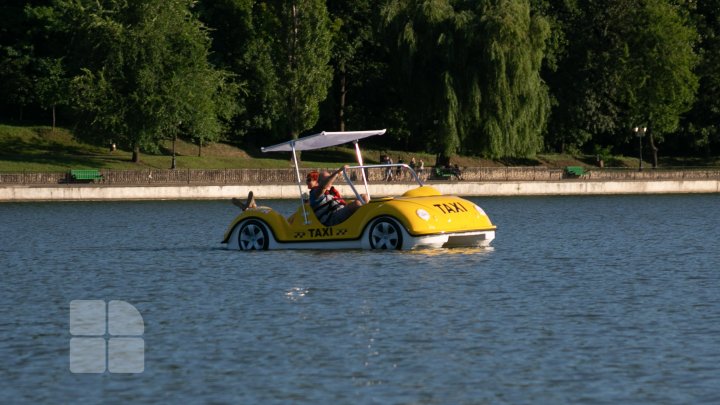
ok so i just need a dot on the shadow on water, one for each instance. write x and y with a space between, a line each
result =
429 252
470 251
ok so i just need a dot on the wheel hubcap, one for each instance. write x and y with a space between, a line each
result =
385 236
252 238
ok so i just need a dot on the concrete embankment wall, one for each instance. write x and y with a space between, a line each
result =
69 192
230 177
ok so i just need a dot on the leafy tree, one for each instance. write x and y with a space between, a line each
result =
515 103
212 104
32 71
353 24
629 63
50 85
588 83
238 46
563 17
146 75
661 61
472 73
703 121
15 83
364 93
430 42
16 54
299 46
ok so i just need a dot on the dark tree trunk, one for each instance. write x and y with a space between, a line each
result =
343 92
53 119
654 150
442 160
173 164
136 154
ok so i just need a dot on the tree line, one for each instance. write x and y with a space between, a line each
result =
497 78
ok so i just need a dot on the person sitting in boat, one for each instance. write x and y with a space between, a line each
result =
249 203
326 201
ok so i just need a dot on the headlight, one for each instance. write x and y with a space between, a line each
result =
423 214
480 210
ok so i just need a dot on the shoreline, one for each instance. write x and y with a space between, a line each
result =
91 192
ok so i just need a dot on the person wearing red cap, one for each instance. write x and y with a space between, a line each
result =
327 203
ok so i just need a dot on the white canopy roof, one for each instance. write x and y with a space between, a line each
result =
322 140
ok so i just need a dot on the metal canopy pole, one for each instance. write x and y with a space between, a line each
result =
362 169
299 182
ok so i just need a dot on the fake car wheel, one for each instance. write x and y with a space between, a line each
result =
385 234
253 236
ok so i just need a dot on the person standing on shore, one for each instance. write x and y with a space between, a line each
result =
388 170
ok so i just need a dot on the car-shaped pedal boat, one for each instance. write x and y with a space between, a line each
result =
421 217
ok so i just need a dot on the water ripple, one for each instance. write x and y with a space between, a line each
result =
580 300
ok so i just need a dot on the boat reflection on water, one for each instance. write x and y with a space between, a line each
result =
437 252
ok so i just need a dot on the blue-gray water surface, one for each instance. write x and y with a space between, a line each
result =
597 300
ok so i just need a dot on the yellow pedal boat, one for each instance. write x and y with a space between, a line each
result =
421 217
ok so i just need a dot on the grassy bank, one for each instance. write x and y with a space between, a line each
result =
40 149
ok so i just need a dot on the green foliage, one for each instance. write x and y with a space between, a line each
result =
479 94
149 78
516 103
358 59
661 60
298 35
16 83
587 85
702 123
50 83
237 47
16 56
430 47
501 78
603 153
631 63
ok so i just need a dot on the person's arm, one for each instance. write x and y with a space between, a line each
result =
329 181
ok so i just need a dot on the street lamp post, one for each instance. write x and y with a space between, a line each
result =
640 132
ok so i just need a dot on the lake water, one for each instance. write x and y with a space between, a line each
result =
598 300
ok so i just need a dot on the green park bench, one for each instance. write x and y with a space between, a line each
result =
86 175
440 173
445 173
575 171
